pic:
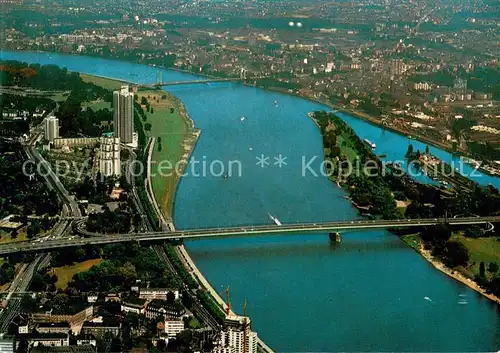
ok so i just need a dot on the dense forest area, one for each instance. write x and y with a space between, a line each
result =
75 120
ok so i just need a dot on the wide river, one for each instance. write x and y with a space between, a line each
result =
370 293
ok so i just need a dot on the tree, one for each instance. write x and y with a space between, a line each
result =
330 139
147 127
170 297
335 151
172 110
437 234
456 254
493 267
409 151
427 149
33 229
482 269
151 111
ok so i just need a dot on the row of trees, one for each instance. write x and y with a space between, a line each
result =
76 122
426 200
437 239
122 267
116 221
371 191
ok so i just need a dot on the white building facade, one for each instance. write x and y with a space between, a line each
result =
237 341
123 114
173 327
109 156
51 128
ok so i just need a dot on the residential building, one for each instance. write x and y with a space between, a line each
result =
235 341
237 336
53 327
6 344
99 329
109 156
173 327
170 311
44 339
75 141
157 293
92 297
136 306
51 128
86 340
64 349
123 118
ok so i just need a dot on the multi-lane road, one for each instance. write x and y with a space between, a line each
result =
338 226
23 278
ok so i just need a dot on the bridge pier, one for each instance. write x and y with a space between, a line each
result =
335 237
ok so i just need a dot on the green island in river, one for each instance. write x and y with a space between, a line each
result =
384 190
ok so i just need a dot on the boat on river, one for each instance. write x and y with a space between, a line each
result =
274 219
370 144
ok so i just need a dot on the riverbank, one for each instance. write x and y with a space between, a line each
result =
168 122
336 135
164 188
426 254
378 123
174 136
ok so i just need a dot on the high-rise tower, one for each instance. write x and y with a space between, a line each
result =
123 118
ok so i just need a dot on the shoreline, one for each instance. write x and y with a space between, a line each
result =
434 262
457 276
437 264
425 253
355 113
181 249
373 121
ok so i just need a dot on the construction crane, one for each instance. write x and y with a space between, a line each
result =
245 326
228 300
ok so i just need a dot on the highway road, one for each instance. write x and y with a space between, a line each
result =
53 181
23 279
97 238
20 284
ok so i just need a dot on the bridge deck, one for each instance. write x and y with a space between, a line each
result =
96 238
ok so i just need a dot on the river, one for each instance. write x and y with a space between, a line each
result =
371 293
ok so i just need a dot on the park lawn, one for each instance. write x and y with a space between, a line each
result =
485 249
412 240
60 97
97 105
345 148
6 238
103 82
65 273
173 129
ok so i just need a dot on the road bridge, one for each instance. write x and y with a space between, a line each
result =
190 82
319 227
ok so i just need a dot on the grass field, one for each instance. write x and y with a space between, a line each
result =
6 238
480 249
103 82
174 130
97 105
65 274
412 240
346 149
59 97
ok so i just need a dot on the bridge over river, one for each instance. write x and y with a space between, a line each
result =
91 238
189 82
